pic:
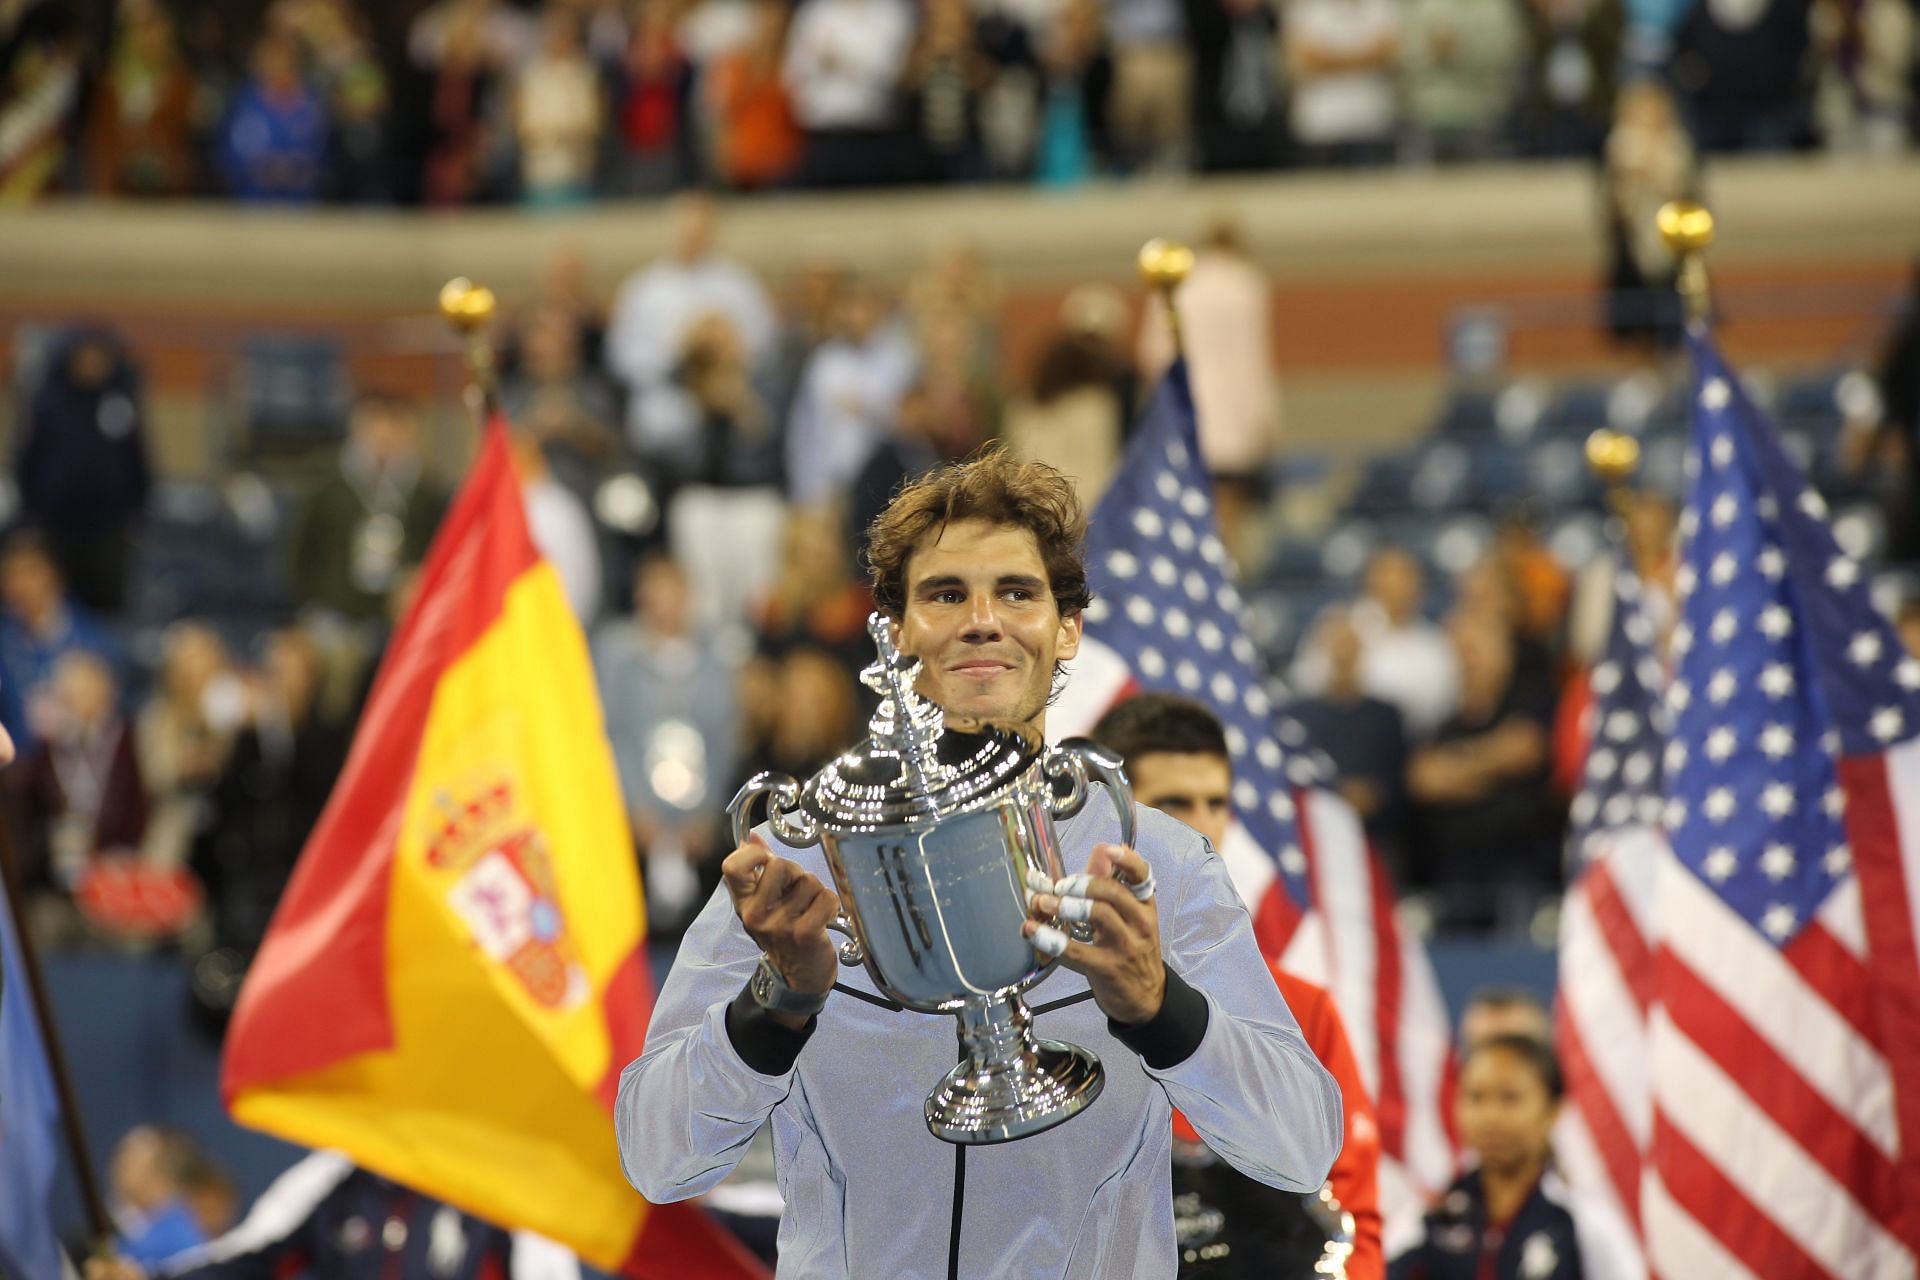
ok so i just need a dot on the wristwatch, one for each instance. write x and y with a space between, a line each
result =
771 992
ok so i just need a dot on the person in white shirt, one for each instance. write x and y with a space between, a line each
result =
1341 55
655 311
848 398
1406 660
844 63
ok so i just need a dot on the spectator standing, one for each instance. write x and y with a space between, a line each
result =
816 601
1573 47
274 140
360 97
183 735
1489 829
756 141
844 63
569 407
1649 161
140 127
1363 736
81 463
725 517
1239 113
946 75
652 130
1460 76
847 399
39 624
1341 55
1150 111
1406 660
1075 413
374 516
557 116
1076 87
41 53
1898 377
654 312
458 84
1867 53
669 689
1226 315
80 789
1744 75
268 798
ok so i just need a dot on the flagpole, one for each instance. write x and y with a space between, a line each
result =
1687 228
1164 265
469 308
98 1220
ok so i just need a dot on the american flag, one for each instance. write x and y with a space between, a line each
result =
1606 956
1770 942
1167 616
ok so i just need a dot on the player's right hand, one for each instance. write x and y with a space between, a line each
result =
785 910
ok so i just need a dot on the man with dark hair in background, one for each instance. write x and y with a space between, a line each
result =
1177 759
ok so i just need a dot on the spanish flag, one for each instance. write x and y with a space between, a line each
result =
455 977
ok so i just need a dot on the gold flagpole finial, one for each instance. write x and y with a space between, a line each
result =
1614 456
1687 228
469 308
1165 265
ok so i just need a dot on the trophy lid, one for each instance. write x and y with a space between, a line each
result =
913 769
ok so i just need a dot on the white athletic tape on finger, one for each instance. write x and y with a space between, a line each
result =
1039 881
1075 909
1144 890
1074 886
1049 941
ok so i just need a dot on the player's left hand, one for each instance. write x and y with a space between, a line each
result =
1122 960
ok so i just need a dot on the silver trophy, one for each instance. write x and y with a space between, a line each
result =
931 833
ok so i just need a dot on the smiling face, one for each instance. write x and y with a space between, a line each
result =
981 616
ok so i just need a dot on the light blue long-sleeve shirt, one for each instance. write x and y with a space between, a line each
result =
869 1192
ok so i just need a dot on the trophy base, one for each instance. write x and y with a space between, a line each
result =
1009 1084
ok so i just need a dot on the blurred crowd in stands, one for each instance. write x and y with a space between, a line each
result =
555 102
184 662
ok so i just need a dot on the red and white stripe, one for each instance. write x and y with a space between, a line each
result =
1352 943
1743 1103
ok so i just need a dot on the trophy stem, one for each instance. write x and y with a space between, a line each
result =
1009 1084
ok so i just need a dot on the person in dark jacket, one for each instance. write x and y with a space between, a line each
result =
276 781
1511 1217
81 463
328 1220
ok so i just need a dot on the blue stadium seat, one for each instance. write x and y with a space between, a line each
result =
1811 399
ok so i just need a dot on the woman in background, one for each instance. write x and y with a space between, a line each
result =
1511 1217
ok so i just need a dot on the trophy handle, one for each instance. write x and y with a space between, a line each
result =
1082 761
789 821
796 828
852 953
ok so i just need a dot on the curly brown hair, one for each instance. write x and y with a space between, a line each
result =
993 486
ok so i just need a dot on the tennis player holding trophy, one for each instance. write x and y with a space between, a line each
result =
1092 956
